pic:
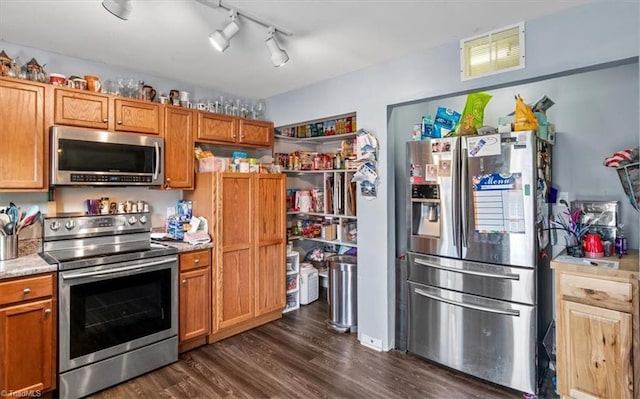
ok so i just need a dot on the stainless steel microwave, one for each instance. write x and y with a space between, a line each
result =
86 157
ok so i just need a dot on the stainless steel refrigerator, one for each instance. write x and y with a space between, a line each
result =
475 218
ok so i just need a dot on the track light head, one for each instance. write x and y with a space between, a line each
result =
279 57
119 8
220 38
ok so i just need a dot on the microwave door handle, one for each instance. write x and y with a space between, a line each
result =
157 168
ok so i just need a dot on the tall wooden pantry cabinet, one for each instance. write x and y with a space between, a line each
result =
246 215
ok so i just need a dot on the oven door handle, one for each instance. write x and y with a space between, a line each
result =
108 272
505 276
467 305
157 168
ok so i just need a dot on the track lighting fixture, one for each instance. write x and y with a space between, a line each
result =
119 8
220 38
279 57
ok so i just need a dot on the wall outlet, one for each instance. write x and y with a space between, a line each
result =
370 342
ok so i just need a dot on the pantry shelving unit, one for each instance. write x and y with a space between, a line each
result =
334 214
293 282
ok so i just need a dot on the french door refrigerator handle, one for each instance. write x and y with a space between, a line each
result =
467 305
464 186
455 168
506 276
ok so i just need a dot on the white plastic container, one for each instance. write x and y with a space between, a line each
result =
309 290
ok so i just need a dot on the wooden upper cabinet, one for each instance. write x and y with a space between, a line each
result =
22 135
225 129
137 116
84 109
106 112
178 147
254 132
216 128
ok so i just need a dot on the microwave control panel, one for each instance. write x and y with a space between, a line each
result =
91 178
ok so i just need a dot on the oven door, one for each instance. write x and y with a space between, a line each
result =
111 309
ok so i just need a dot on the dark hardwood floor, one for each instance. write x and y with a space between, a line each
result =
298 357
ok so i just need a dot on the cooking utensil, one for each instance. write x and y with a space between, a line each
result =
28 221
13 212
9 228
5 218
2 228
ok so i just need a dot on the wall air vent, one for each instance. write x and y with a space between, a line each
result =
498 51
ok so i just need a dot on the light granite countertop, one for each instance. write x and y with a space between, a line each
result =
182 246
25 266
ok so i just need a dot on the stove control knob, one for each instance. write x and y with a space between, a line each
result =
143 219
69 225
132 220
55 225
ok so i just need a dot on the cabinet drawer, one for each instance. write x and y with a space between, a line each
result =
25 289
603 292
193 260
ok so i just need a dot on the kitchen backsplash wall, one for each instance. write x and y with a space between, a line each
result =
71 199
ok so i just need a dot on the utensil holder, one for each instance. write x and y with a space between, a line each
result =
8 247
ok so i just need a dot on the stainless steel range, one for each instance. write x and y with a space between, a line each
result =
117 299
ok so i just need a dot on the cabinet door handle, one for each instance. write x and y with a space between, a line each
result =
184 281
105 120
26 291
119 122
196 260
47 311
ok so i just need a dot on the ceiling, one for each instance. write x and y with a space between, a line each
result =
169 38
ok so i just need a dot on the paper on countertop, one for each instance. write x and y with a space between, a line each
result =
199 237
596 262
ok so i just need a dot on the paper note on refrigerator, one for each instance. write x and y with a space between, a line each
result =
498 203
482 146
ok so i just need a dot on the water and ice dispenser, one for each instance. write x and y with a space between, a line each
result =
425 210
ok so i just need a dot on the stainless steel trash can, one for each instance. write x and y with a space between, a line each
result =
343 293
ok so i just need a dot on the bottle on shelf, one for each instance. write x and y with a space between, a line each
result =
621 241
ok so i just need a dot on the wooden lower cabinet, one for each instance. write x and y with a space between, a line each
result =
597 320
27 336
247 223
235 292
195 299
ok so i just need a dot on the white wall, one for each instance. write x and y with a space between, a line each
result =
580 37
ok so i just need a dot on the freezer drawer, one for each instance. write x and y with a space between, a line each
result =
489 339
513 284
